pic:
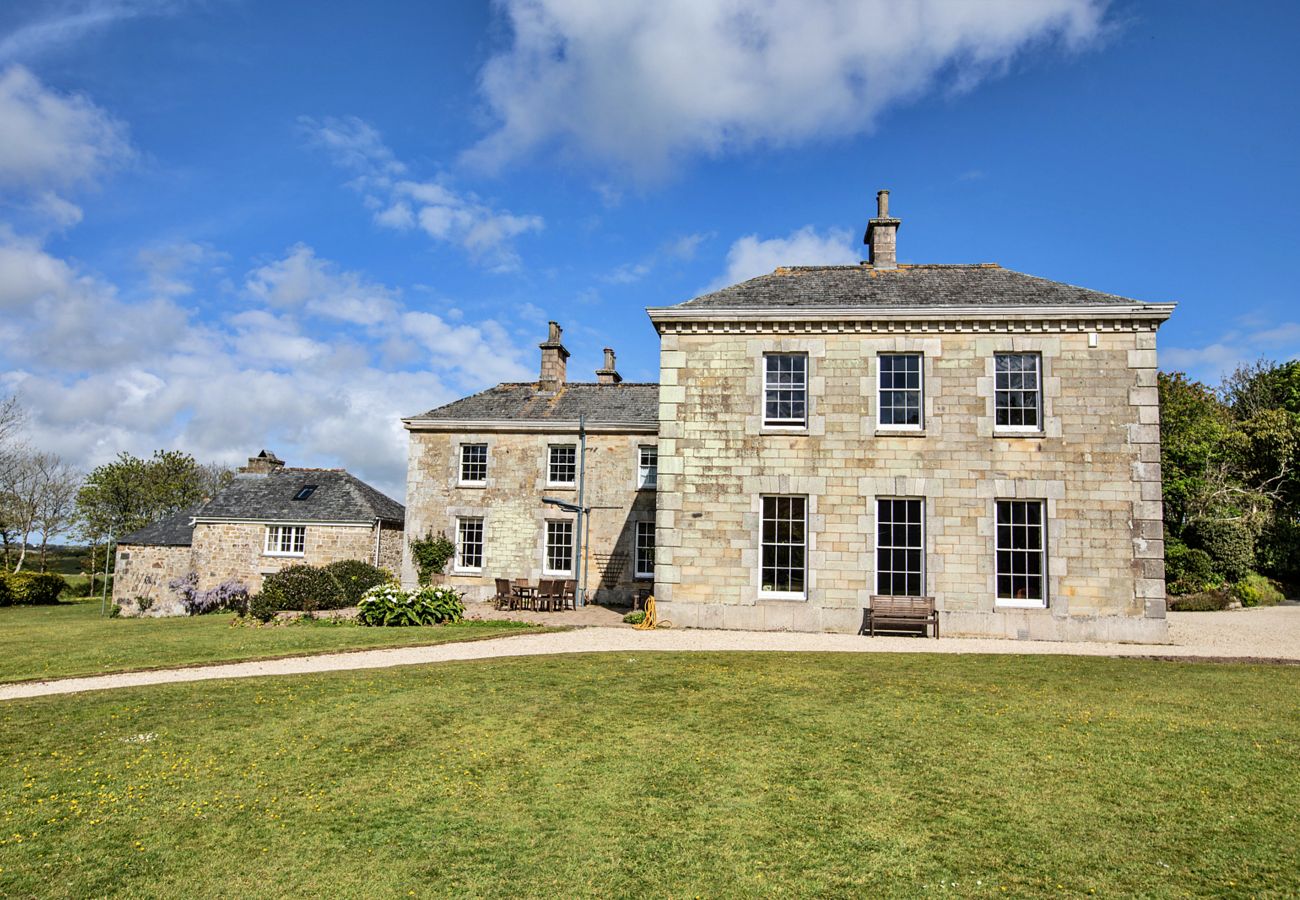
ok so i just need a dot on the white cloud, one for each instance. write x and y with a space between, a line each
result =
68 22
751 256
636 85
354 144
1236 347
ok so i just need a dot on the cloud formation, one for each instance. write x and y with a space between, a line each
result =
637 85
751 256
1235 347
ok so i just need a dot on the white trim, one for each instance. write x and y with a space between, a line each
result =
641 483
637 574
881 428
780 425
279 533
576 463
1044 533
297 522
419 423
782 595
546 548
459 567
1083 313
460 464
875 542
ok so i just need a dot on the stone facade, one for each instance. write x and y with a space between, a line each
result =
1095 466
510 503
145 571
229 550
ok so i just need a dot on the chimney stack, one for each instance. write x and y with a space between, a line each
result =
263 463
608 374
882 235
554 358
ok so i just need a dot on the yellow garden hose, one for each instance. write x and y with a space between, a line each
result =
651 621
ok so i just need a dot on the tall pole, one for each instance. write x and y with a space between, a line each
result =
582 509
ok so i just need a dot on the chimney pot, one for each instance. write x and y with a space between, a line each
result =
882 204
554 358
609 373
262 464
882 235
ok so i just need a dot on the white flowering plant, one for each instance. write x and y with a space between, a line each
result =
388 604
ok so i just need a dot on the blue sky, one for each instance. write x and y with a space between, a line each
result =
232 225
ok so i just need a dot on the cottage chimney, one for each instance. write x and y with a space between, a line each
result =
882 235
263 463
554 358
608 374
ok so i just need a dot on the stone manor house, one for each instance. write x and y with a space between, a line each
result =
824 434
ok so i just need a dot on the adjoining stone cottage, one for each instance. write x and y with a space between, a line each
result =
825 434
270 516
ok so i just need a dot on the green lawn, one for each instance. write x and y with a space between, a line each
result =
72 639
715 775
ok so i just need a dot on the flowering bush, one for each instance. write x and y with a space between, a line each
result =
229 595
388 604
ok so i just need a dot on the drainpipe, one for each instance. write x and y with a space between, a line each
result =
581 599
378 531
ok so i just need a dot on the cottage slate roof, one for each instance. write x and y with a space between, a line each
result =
268 497
173 531
907 286
628 403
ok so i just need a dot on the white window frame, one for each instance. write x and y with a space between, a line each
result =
644 527
546 548
763 543
905 547
470 482
550 465
1038 394
461 523
881 390
769 386
647 476
1015 602
277 537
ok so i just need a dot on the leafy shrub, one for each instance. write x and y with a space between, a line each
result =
357 577
431 555
300 588
1187 570
1203 601
30 588
144 604
636 617
388 604
230 595
1231 544
1256 590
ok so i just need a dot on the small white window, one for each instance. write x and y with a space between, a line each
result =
783 572
473 464
562 465
1017 392
469 545
645 549
1021 551
648 467
559 547
285 540
900 395
785 390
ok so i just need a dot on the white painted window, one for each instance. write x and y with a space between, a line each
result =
647 467
285 540
473 464
783 571
1017 391
1021 550
785 390
469 544
559 547
562 465
645 550
900 395
900 547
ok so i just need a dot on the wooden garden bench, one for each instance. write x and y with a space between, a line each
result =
891 611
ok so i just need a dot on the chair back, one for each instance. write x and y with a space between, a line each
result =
503 587
570 588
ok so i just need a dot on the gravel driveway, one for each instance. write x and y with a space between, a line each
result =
1265 634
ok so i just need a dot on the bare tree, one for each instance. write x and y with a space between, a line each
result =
57 506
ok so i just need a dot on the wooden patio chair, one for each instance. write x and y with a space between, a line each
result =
550 595
569 595
523 594
505 594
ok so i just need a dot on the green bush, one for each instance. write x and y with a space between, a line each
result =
30 588
1231 544
1203 601
388 604
297 588
1188 571
357 577
1256 590
431 555
636 617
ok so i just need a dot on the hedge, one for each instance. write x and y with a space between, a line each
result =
357 577
309 588
30 588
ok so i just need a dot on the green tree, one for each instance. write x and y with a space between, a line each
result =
130 492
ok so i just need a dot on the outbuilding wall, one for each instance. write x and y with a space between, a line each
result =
143 571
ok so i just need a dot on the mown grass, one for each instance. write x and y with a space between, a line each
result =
73 639
636 774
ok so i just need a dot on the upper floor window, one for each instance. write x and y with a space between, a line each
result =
559 547
1017 391
900 547
473 463
647 467
785 389
784 544
469 544
900 392
285 540
562 465
645 549
1021 551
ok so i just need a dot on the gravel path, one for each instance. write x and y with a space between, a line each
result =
1264 634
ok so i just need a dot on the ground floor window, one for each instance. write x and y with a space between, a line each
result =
559 547
286 540
1021 551
784 540
645 549
469 544
900 547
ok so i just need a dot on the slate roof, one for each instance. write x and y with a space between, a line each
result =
173 531
338 497
981 285
629 403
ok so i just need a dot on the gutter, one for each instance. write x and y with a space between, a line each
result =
1157 312
527 426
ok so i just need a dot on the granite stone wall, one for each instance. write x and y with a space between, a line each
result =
223 551
146 571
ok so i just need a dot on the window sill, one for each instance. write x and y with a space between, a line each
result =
563 486
284 555
784 429
783 597
645 578
456 571
648 487
1001 603
479 485
1012 433
886 431
546 574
